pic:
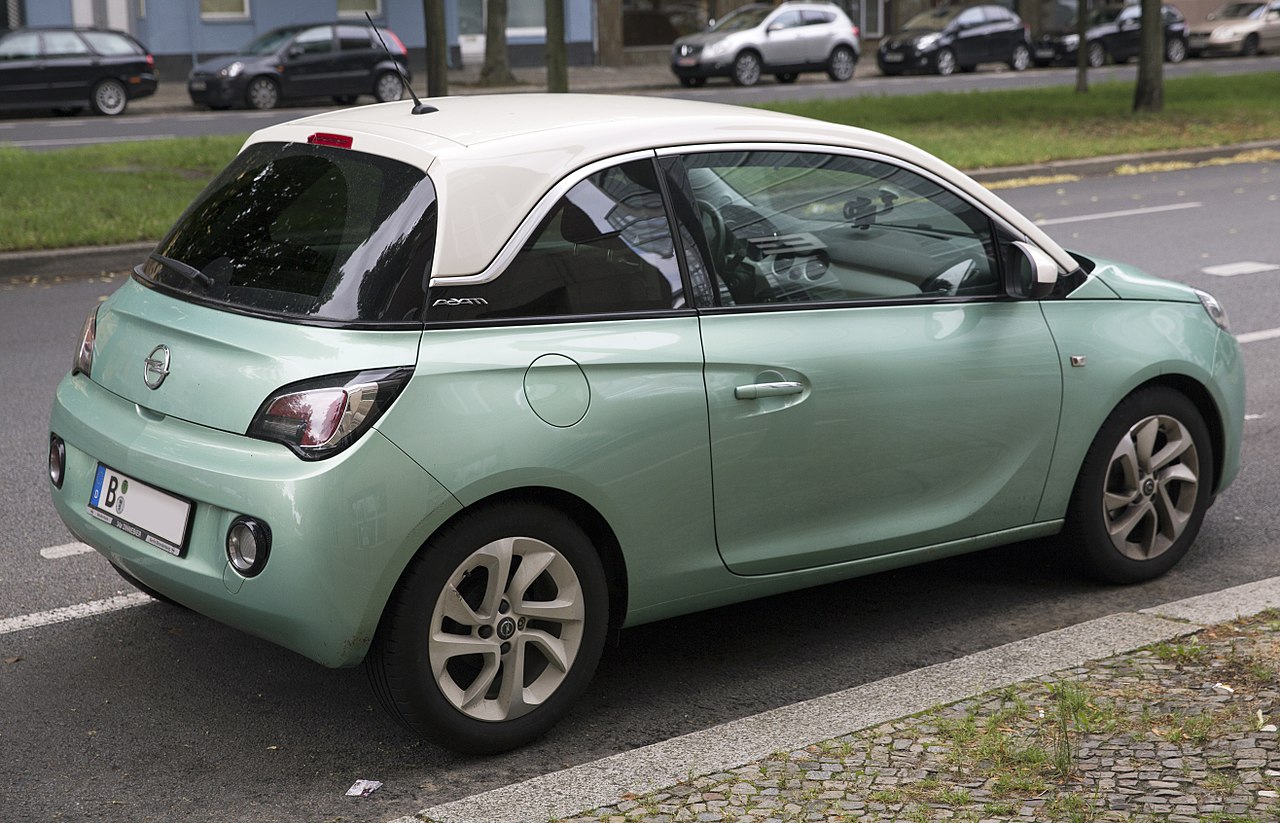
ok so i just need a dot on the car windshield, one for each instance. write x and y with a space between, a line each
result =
933 20
1105 15
271 41
1236 11
743 19
306 232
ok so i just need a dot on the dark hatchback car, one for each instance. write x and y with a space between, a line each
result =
956 37
337 60
66 69
1115 33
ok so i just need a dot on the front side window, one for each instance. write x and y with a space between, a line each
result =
792 227
604 248
306 232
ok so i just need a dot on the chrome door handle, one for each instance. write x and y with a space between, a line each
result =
754 391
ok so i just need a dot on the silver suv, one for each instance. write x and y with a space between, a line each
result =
784 40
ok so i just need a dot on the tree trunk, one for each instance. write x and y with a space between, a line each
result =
496 70
557 54
1149 94
1082 48
437 48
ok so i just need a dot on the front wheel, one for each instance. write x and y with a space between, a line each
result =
1097 55
1021 58
746 69
1175 51
263 93
841 64
494 630
945 63
109 97
1249 48
1143 489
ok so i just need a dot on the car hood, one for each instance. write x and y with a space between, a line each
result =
705 38
1242 25
1131 283
905 38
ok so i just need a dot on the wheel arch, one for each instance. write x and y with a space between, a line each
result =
1200 397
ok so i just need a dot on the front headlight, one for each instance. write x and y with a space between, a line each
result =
1071 41
1226 33
718 49
1211 305
928 41
233 70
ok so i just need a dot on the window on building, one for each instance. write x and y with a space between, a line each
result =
224 9
357 8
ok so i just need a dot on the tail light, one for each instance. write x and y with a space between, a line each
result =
151 60
84 353
857 32
319 418
396 40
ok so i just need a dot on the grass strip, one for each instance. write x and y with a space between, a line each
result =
124 192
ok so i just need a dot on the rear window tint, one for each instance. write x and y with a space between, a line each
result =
306 232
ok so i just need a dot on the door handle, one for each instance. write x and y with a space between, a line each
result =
755 391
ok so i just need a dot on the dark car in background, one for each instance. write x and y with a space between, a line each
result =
948 38
66 69
1115 33
337 60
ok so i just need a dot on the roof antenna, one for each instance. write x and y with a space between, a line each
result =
418 106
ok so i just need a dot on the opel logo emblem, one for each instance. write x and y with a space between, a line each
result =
506 628
156 367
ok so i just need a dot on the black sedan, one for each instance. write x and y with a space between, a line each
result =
66 69
337 60
956 37
1114 32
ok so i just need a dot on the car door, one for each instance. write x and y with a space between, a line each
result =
784 43
1269 34
870 386
971 37
22 76
357 55
70 68
310 63
1128 37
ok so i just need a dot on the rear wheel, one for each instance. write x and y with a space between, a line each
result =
1097 55
494 630
945 63
746 69
262 93
1143 488
109 97
1175 50
1021 58
841 64
388 87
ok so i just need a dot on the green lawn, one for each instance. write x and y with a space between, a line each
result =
133 191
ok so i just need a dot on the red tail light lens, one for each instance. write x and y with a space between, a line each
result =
319 418
88 337
856 31
396 40
337 141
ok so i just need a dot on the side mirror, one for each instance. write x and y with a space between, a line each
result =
295 51
1035 273
774 27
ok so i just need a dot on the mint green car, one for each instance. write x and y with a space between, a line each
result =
454 394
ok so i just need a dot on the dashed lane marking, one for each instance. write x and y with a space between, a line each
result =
1256 336
68 550
1107 215
1244 267
77 612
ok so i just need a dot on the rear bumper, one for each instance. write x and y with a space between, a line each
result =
343 529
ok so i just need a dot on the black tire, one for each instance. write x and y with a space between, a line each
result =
944 62
786 77
1127 522
693 82
145 589
1097 55
842 64
1021 58
1249 48
451 574
388 87
262 93
109 97
746 69
1175 50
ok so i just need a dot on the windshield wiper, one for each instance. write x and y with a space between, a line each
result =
190 272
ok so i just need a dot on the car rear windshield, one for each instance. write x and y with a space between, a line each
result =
306 232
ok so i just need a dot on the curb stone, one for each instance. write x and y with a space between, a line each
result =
724 754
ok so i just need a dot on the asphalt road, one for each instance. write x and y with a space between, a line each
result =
170 114
155 713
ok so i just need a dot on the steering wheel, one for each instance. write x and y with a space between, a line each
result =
718 237
948 281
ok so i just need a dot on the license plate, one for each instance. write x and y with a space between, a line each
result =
154 517
197 85
687 61
1044 53
892 57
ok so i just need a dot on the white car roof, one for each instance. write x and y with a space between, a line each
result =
493 157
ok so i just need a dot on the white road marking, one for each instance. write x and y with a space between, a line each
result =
68 550
81 610
1106 215
1244 267
1255 336
82 141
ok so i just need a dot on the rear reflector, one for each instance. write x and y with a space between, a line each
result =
337 141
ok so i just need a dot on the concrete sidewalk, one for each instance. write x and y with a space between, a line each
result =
1158 715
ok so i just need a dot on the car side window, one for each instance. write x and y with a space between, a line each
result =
317 40
107 43
818 18
63 44
22 46
604 248
797 227
970 17
353 38
788 20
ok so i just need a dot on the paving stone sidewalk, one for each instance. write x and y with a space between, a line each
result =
1179 732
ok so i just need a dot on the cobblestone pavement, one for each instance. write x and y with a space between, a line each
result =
1179 732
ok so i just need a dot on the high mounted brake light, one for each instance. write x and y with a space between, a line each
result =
337 141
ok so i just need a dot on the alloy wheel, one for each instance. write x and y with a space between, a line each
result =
1151 487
